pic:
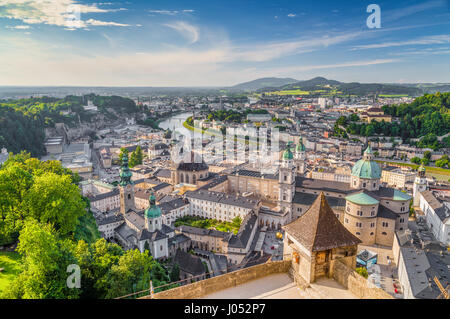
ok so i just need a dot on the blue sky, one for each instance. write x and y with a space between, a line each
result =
219 43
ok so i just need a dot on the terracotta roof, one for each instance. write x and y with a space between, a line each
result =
319 229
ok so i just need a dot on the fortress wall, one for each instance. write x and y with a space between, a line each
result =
232 279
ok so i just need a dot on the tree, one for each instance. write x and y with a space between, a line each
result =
55 199
443 161
132 273
427 155
45 261
425 161
175 273
415 160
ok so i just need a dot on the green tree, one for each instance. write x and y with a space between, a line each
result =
175 273
415 160
55 199
45 261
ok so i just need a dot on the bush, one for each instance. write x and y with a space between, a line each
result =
362 271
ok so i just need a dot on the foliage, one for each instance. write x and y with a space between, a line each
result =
136 157
45 260
44 191
443 162
22 121
199 222
175 273
123 151
362 271
427 117
415 160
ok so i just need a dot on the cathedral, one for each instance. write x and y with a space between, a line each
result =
367 209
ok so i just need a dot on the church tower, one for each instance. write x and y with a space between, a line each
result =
420 184
153 219
286 181
126 187
300 157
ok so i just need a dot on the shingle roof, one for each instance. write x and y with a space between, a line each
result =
323 185
319 229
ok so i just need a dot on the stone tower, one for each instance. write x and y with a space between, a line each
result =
300 157
286 181
126 187
152 214
420 184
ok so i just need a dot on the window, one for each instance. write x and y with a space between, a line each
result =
346 221
364 185
384 233
285 178
358 233
359 213
372 225
385 224
160 247
359 225
374 185
372 213
402 220
371 234
348 208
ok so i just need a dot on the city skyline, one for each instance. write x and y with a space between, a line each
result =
208 44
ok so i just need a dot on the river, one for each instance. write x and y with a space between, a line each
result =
175 124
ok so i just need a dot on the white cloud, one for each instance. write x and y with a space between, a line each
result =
291 15
435 39
104 23
171 12
66 13
19 27
187 30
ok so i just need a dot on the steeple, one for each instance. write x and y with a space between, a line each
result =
300 145
420 185
153 215
125 173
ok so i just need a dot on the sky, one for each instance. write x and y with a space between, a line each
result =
220 43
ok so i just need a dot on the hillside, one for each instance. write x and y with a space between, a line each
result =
427 117
262 83
321 86
22 122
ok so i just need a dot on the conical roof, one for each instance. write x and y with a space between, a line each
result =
319 229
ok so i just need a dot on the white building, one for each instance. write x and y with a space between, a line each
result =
436 208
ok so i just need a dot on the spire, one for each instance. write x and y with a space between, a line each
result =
287 155
300 145
125 173
421 170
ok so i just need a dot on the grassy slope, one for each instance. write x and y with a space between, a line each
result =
442 174
11 263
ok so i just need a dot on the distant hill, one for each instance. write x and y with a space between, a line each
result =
262 83
323 86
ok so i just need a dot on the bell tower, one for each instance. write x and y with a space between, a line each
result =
286 181
126 187
420 184
300 156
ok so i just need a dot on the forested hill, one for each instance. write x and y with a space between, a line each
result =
22 122
427 117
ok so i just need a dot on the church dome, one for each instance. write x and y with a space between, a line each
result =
152 211
367 167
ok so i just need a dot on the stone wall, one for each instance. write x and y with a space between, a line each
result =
232 279
355 283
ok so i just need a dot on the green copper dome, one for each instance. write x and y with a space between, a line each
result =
287 155
300 146
125 173
367 167
152 211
